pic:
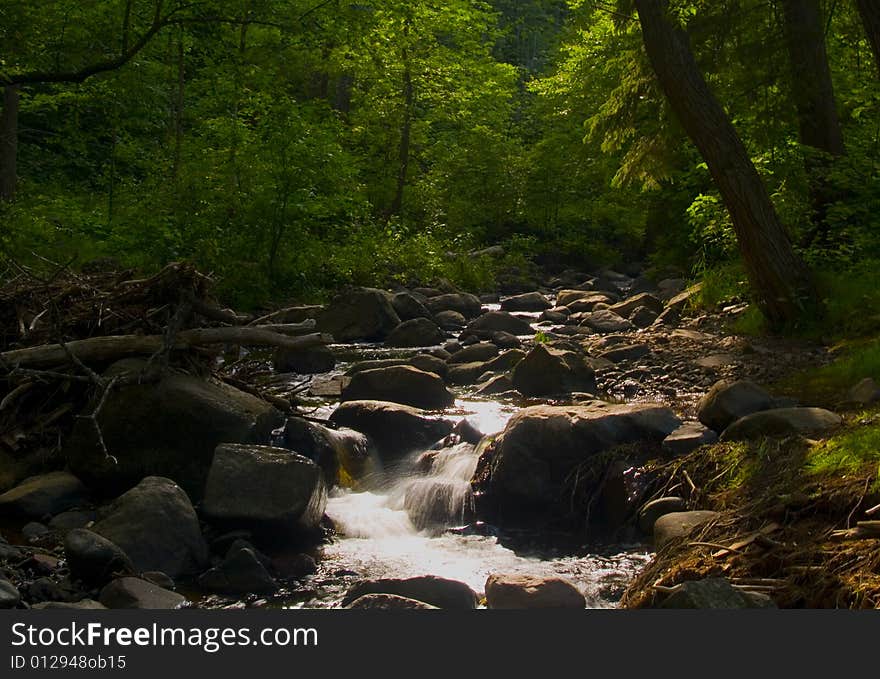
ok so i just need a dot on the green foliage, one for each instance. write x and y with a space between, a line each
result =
828 384
850 451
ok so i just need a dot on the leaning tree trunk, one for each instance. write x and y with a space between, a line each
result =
779 278
869 10
9 143
813 93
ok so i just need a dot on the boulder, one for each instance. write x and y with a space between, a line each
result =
553 316
530 301
466 373
782 422
169 428
137 593
359 314
339 452
482 351
546 372
311 361
93 558
679 524
653 510
498 321
272 490
515 590
388 602
589 303
497 385
629 305
430 589
418 332
729 401
375 364
467 305
43 495
396 429
241 572
450 320
505 361
687 438
715 593
643 317
408 306
565 297
75 518
155 524
400 384
541 445
606 321
864 393
10 597
430 364
682 299
82 605
629 352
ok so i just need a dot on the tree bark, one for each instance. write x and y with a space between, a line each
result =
9 143
869 10
406 129
779 279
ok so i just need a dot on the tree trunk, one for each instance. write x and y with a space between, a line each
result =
813 94
869 10
9 143
178 107
780 280
406 129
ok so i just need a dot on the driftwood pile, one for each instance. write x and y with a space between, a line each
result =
59 331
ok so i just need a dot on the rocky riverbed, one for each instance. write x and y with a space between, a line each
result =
448 451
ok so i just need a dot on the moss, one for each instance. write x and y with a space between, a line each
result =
850 451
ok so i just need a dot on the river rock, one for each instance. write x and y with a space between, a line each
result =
541 445
430 364
516 590
466 373
497 321
400 384
9 594
375 364
450 320
497 385
169 428
359 314
729 401
467 305
333 450
653 510
782 422
137 593
629 305
565 297
630 352
670 318
864 393
430 589
396 429
82 605
643 317
43 495
311 361
93 558
241 572
155 524
589 303
482 351
388 602
408 306
681 300
529 301
272 490
418 332
75 518
715 593
546 372
687 438
679 524
606 321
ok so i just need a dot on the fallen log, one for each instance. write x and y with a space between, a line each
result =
103 349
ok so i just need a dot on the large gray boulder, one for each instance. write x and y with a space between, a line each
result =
272 490
93 558
541 446
395 429
497 321
46 494
517 590
131 592
359 314
467 305
418 332
430 589
728 401
783 422
546 372
529 301
400 384
169 428
155 524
